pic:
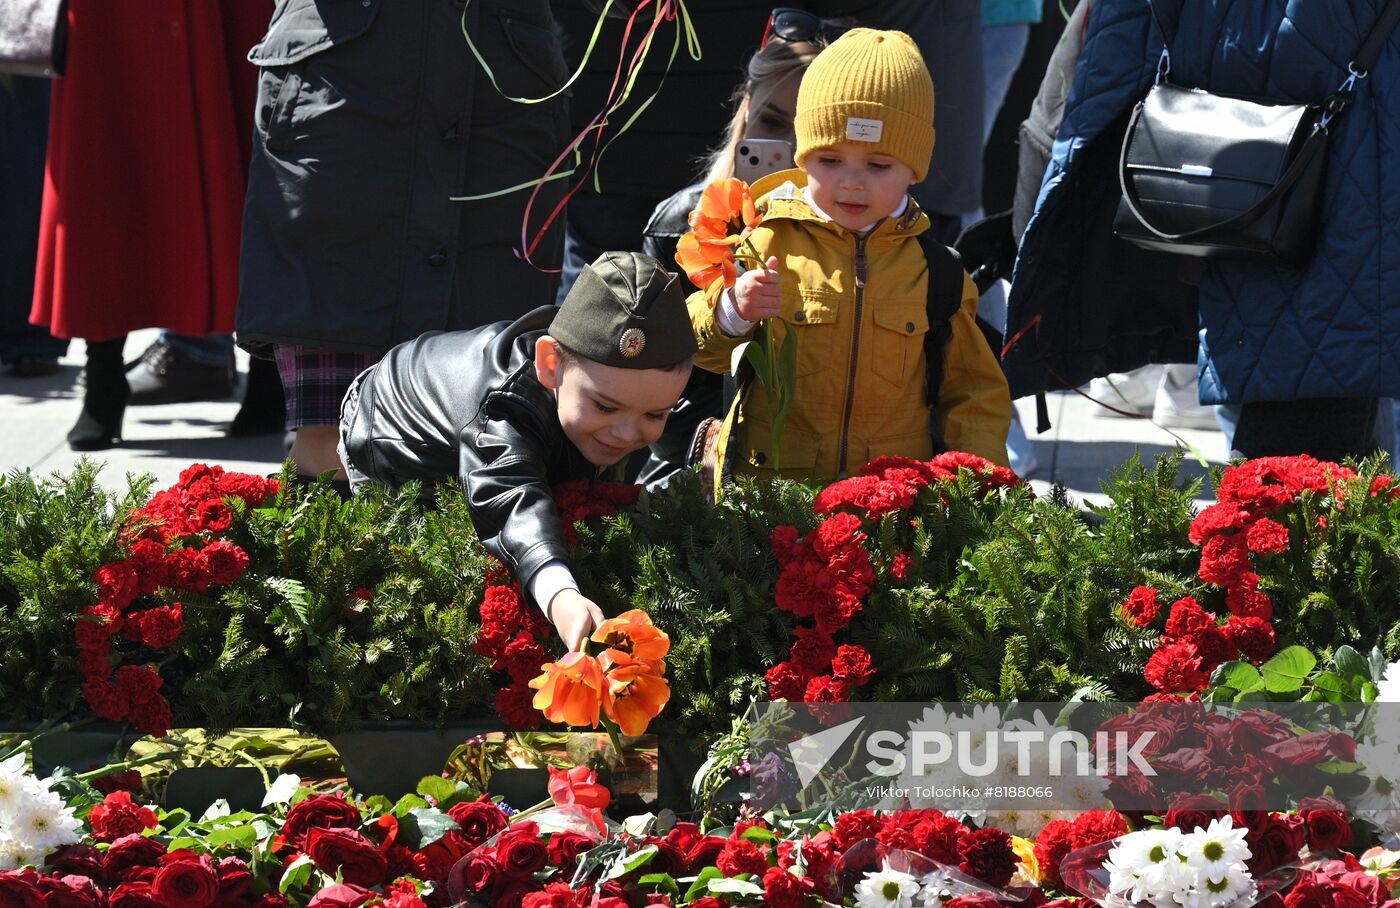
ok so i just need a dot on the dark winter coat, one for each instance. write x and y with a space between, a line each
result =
1084 303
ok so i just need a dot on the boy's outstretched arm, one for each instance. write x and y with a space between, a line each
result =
974 403
503 470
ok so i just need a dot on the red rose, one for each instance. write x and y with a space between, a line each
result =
152 716
319 812
707 901
19 889
70 892
340 895
513 894
161 626
1309 750
118 816
131 852
235 879
1327 829
986 854
117 584
703 853
349 853
130 780
741 856
565 847
479 820
555 895
106 699
1192 811
521 854
272 900
134 894
482 874
78 860
1273 840
189 882
578 785
224 561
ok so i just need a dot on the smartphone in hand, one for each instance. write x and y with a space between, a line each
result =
757 158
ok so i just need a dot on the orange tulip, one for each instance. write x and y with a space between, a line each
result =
636 693
721 222
709 266
632 634
726 213
570 691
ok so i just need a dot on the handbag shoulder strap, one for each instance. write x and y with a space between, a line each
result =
1379 34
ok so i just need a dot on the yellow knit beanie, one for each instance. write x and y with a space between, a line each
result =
871 87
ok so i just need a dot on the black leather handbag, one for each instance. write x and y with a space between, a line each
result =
1212 175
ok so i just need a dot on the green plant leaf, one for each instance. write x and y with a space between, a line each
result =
1286 671
663 882
423 826
297 874
735 886
1236 674
702 883
1351 664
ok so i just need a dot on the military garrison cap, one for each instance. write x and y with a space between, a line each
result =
626 310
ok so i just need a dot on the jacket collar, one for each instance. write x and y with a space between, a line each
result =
780 195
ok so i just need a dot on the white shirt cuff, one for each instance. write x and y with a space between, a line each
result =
728 317
548 581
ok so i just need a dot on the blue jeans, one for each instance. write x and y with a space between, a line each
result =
207 350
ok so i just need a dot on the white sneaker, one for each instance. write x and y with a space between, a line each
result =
1134 392
1178 403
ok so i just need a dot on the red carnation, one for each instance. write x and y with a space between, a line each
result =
1218 518
852 665
826 689
118 816
224 561
1141 605
1223 560
1267 536
1094 826
785 683
1188 619
1054 842
1254 637
1176 668
785 890
152 716
139 682
856 825
986 854
515 705
900 565
188 571
741 856
523 657
814 650
117 584
161 626
106 699
1245 599
97 624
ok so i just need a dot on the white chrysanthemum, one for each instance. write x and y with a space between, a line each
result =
949 774
44 822
887 889
13 779
15 854
1217 850
1148 866
1388 689
1219 891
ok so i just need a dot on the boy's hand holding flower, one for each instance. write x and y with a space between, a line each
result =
574 616
758 293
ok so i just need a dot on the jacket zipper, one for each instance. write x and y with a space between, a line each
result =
855 354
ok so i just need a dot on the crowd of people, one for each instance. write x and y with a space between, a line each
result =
360 202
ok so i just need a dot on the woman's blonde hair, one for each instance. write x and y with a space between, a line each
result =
768 68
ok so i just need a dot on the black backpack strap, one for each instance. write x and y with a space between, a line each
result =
945 286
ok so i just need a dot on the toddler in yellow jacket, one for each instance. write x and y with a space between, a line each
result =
845 271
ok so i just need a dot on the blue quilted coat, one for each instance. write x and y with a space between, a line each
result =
1084 303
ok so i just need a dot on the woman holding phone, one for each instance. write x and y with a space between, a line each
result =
758 141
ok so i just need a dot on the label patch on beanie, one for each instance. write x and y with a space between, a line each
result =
859 129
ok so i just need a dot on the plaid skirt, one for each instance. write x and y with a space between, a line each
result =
315 380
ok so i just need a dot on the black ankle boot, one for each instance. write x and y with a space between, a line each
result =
264 410
104 399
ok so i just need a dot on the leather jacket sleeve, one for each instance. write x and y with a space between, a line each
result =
505 456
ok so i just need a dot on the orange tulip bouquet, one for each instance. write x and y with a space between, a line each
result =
622 688
710 255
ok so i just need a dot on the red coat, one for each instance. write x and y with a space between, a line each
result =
148 152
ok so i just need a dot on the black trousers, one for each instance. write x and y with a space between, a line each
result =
1328 428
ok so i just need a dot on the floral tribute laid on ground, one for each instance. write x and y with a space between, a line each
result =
229 601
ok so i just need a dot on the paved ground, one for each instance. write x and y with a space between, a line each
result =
1080 450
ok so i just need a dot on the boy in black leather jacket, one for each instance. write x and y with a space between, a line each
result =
516 407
